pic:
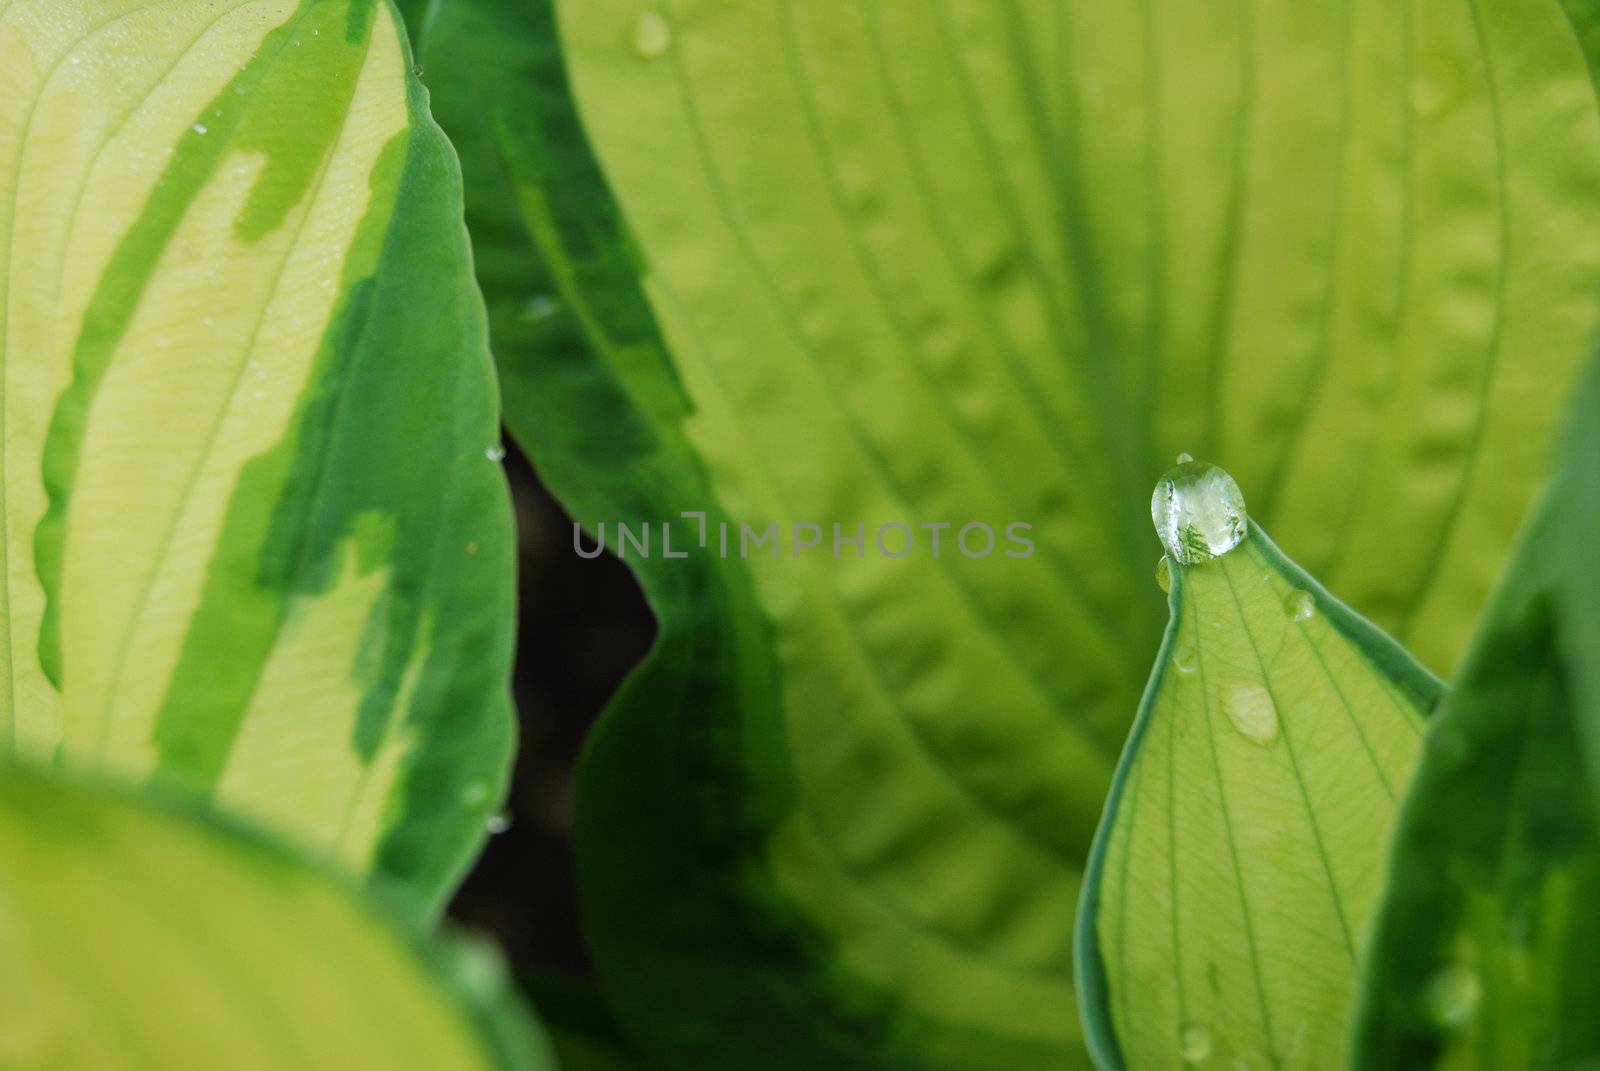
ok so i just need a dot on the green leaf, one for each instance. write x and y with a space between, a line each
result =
986 261
139 936
254 547
1235 868
1484 951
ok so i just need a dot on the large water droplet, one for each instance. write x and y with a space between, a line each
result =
1194 1043
1452 996
1198 512
652 35
1298 605
1252 712
1164 574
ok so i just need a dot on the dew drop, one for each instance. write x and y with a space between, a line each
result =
1298 605
472 548
497 823
495 453
1164 574
1194 1043
474 793
539 308
1452 997
652 35
1186 659
1198 512
1184 458
1252 712
199 128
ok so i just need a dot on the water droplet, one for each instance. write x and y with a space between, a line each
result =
1452 996
1252 712
199 128
1186 659
1194 1043
1298 605
538 308
497 823
1184 458
495 453
1198 512
1164 574
652 35
472 548
474 793
416 70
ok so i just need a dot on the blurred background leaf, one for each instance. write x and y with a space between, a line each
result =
258 544
141 936
1484 952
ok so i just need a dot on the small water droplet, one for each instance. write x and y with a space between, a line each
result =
472 548
538 308
1452 996
497 823
1298 605
1194 1043
416 70
199 128
1184 458
474 793
652 35
1164 574
495 453
1186 659
1252 712
1198 512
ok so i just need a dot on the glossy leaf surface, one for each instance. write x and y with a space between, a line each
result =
1243 843
256 544
986 261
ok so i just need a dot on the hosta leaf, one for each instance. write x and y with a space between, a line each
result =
1242 846
254 547
134 937
1484 952
987 260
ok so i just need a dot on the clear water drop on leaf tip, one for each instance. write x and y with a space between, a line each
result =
1198 512
496 824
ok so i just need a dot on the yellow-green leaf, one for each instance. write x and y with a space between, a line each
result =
256 545
1241 850
138 937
